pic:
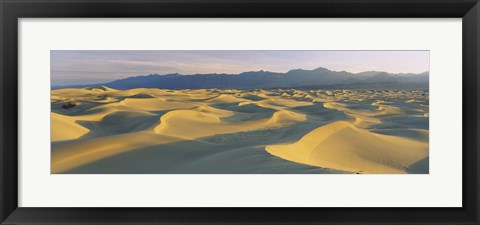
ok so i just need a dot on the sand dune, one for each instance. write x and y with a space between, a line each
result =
342 146
148 130
207 121
69 155
225 98
65 128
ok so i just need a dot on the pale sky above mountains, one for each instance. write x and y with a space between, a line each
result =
71 67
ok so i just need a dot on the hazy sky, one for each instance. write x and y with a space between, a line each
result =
69 67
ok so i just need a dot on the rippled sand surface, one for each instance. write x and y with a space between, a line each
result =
215 131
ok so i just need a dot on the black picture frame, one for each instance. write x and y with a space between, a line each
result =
12 10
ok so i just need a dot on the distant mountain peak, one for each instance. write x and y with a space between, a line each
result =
321 69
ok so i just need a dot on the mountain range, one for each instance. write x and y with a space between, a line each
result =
298 78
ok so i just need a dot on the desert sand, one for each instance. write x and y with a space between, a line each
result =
212 131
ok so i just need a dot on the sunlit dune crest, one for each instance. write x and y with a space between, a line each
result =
65 128
212 131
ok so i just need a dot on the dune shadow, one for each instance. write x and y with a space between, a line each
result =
404 121
245 112
420 167
321 113
120 122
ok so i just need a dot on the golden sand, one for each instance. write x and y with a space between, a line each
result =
235 131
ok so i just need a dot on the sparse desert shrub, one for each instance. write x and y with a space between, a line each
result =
68 105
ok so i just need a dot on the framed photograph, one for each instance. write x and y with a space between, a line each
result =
239 112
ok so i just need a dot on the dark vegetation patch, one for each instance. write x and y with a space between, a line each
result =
68 105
